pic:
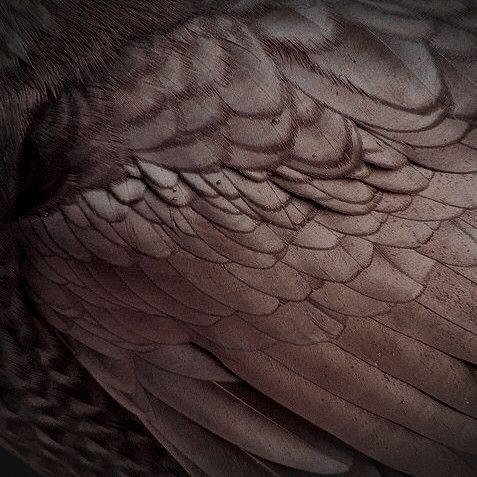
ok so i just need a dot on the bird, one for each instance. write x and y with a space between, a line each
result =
238 238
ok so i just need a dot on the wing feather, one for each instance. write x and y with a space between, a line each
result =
279 277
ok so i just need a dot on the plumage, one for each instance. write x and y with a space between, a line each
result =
251 226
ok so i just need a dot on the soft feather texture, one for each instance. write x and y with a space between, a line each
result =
264 242
53 414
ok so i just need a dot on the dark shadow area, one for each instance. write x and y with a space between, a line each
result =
13 467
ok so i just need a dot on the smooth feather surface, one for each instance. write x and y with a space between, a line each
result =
268 250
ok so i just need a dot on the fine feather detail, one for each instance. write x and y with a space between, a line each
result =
268 253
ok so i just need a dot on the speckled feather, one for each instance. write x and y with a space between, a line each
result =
53 414
263 244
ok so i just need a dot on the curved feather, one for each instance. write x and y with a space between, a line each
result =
269 252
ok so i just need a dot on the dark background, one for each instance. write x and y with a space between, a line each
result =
12 467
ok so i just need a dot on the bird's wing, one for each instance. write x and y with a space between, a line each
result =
265 243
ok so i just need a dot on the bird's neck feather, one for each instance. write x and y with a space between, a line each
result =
45 43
